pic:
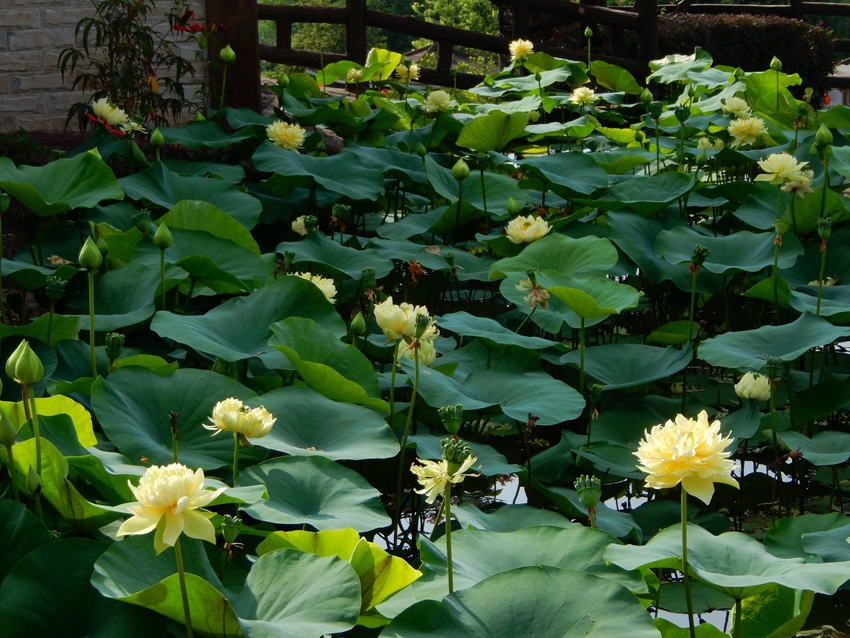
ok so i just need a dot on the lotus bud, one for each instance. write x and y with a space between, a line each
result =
460 171
28 367
775 64
288 259
452 417
640 138
102 246
682 113
699 256
701 158
455 452
367 276
33 484
358 324
12 361
90 256
421 151
283 80
230 528
162 238
538 77
5 201
114 344
453 71
311 223
513 207
802 113
595 393
772 366
655 109
199 117
7 431
423 322
227 55
450 259
589 491
823 137
157 138
824 227
588 32
740 74
646 97
533 116
142 221
55 288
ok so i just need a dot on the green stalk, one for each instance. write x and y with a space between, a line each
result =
397 516
484 194
49 318
736 628
2 307
162 275
37 436
776 253
447 501
185 595
392 382
685 577
527 317
690 335
220 100
235 457
457 210
91 325
822 272
11 458
825 184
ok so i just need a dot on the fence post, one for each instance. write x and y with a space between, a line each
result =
355 31
519 13
796 9
239 18
648 34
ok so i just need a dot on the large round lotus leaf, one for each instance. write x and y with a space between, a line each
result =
26 276
333 173
469 266
132 572
749 349
565 255
60 186
314 491
834 303
498 188
628 365
508 518
337 261
198 215
391 161
133 403
567 173
160 186
489 463
493 131
310 424
591 297
659 513
518 394
825 448
122 297
807 268
831 545
227 172
207 134
786 538
616 523
20 533
743 423
551 319
48 593
544 602
730 254
645 194
733 563
240 328
467 325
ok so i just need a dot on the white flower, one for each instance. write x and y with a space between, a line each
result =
753 386
408 73
427 351
400 321
779 168
747 130
521 49
583 96
537 296
289 137
438 101
354 75
299 227
736 106
800 183
109 112
132 126
705 142
524 230
322 283
829 281
433 476
232 415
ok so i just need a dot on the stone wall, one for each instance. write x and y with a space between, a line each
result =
32 33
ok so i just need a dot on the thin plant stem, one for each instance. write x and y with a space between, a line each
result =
776 254
185 594
693 307
736 629
49 320
235 457
484 194
2 307
35 432
410 410
527 317
221 99
91 325
162 275
11 458
447 501
685 577
822 272
392 382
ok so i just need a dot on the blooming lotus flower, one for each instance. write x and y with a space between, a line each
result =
779 168
687 451
524 230
299 227
427 352
232 415
706 143
753 386
167 499
289 137
800 183
583 96
433 476
735 106
400 321
747 130
520 49
354 75
438 101
322 283
408 73
109 112
537 296
829 281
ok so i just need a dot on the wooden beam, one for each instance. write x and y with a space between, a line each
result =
826 8
241 33
321 15
355 31
755 9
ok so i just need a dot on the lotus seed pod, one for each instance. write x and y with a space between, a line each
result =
460 171
230 528
162 237
422 323
452 417
682 112
699 256
655 109
450 259
90 256
114 344
157 139
28 367
772 366
54 287
142 221
367 276
588 490
802 113
227 55
825 227
455 452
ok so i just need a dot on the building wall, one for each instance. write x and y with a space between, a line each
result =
33 95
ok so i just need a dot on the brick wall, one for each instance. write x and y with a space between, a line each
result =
32 33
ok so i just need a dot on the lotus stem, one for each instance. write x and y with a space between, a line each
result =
484 193
35 432
11 458
822 272
178 553
91 324
527 317
447 501
220 100
776 253
392 382
235 457
397 517
162 275
685 577
736 628
825 183
2 306
693 307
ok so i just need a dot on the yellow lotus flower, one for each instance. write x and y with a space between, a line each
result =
433 476
400 321
232 415
520 49
748 130
299 227
706 143
438 101
322 283
408 73
829 281
109 112
800 183
779 168
167 499
427 352
735 106
583 96
537 296
687 451
354 75
289 137
524 230
753 386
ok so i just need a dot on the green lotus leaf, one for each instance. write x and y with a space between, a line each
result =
565 255
27 276
391 162
835 302
469 267
489 463
316 425
57 327
207 134
314 491
493 131
334 260
227 172
199 215
775 612
551 319
677 68
467 325
591 297
567 173
498 189
508 518
830 545
160 186
671 597
122 297
627 365
60 186
20 533
132 407
786 538
646 195
749 349
240 328
545 602
615 78
825 448
557 71
657 514
240 118
743 423
618 524
48 593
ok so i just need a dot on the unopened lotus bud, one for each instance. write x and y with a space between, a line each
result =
452 417
595 393
288 259
740 74
513 207
90 256
358 324
231 526
367 276
453 72
283 80
199 117
423 322
772 366
421 151
33 484
775 64
5 201
28 367
646 97
588 32
227 55
13 359
825 227
54 287
699 256
157 138
450 259
102 246
532 277
682 113
538 77
114 344
7 431
701 158
823 137
802 113
640 138
455 452
533 116
588 490
311 223
142 221
460 171
162 238
655 109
